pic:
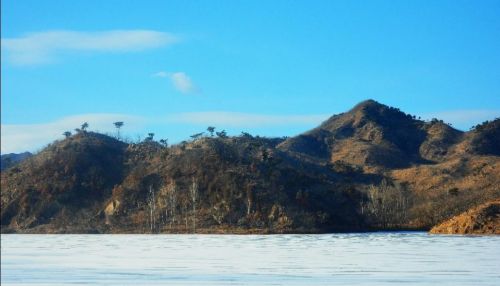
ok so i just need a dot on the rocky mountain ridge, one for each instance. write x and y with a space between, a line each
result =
373 167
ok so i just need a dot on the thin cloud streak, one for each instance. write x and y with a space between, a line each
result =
160 74
238 119
23 137
464 118
30 137
45 47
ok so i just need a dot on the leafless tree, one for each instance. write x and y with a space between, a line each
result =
185 206
172 202
194 197
249 199
388 204
152 206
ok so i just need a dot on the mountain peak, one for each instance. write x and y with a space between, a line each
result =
370 133
367 103
331 178
366 111
370 105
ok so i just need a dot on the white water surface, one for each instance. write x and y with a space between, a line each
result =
385 258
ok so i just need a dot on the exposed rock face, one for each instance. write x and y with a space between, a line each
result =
484 219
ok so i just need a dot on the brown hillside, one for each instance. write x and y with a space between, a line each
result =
371 168
95 183
484 219
373 134
484 139
64 178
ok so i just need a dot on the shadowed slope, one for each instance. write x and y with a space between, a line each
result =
374 134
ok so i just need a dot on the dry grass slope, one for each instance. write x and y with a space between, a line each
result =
373 167
484 219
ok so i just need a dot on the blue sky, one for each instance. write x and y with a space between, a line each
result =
271 68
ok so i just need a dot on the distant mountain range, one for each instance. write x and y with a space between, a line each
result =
371 168
9 160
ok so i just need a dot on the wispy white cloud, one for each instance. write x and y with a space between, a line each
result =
180 80
161 74
30 137
45 47
23 137
464 118
238 119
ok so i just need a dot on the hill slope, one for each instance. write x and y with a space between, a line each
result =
9 160
373 167
373 134
484 219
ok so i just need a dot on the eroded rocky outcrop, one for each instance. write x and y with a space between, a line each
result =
484 219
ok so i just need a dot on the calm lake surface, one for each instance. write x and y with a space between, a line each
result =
390 258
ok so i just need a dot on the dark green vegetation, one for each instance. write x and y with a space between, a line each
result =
371 168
